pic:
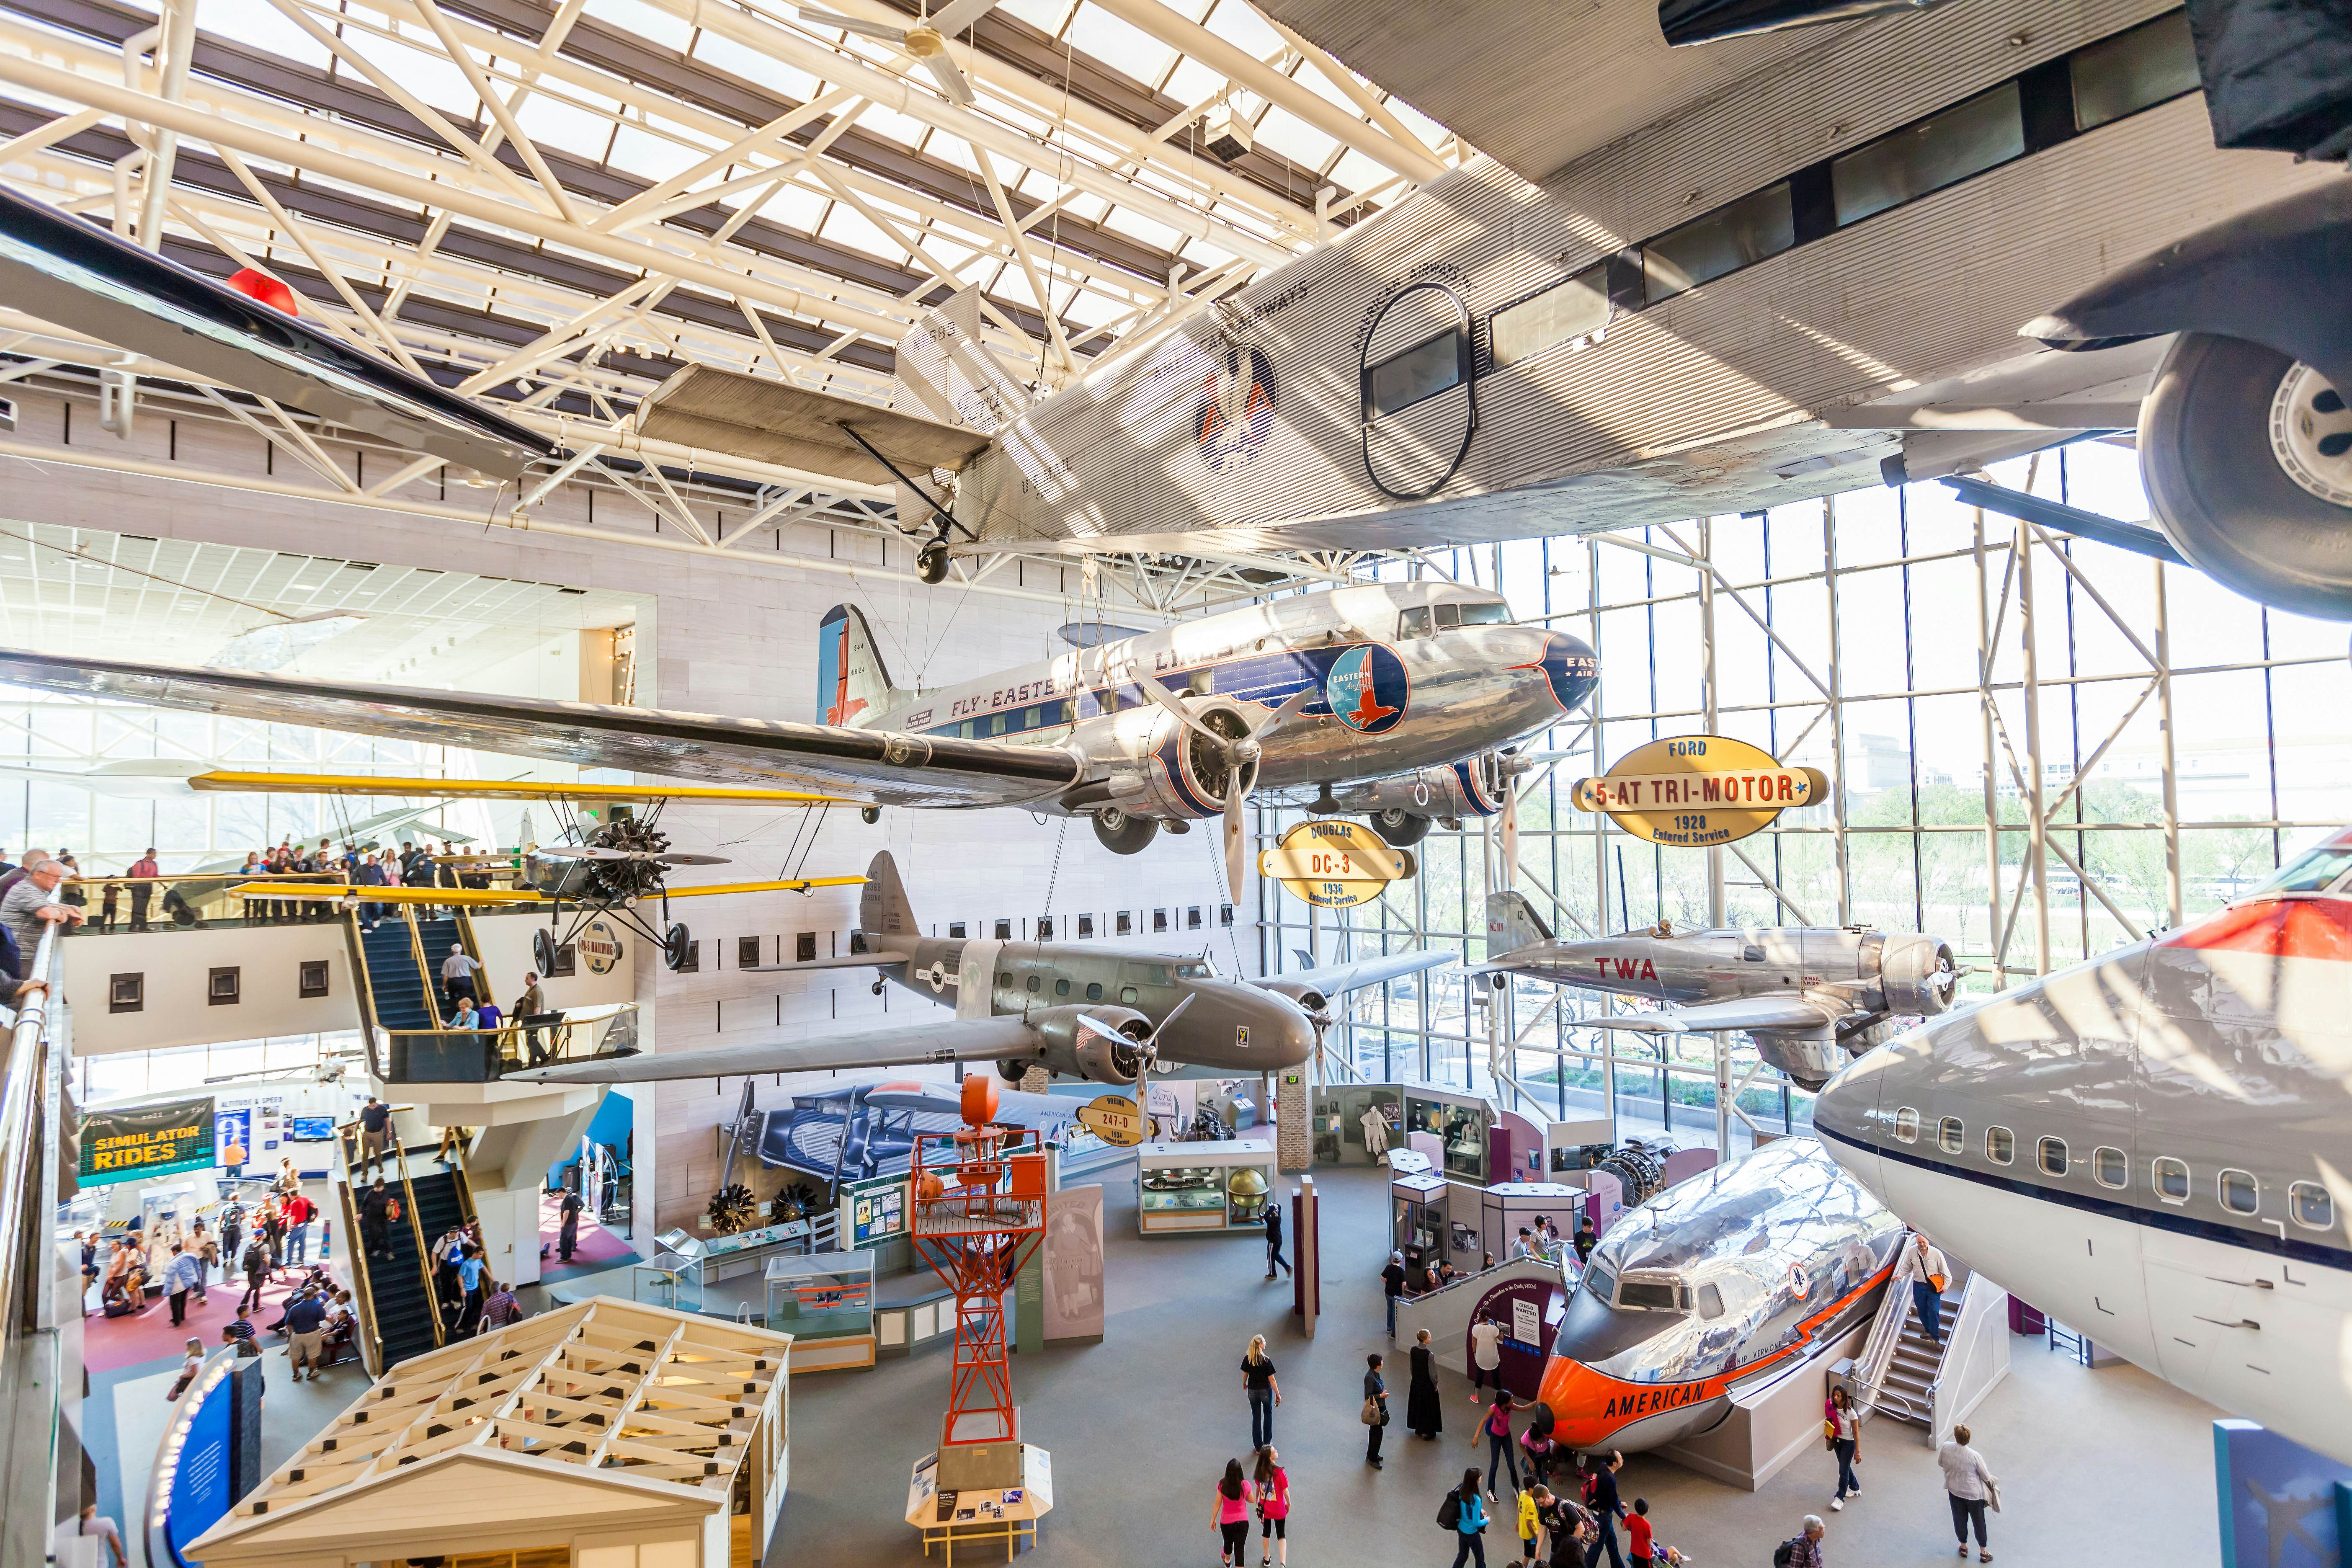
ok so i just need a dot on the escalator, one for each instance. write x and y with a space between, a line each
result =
399 964
397 1310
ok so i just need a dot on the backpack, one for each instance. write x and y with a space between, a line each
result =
392 1210
1449 1513
1784 1551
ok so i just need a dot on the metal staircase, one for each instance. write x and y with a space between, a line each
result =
1904 1374
1907 1387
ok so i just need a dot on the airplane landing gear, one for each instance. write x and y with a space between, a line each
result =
869 814
931 562
677 946
877 988
2248 459
1121 833
543 949
1401 827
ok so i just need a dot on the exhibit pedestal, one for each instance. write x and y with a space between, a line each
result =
948 1515
978 1465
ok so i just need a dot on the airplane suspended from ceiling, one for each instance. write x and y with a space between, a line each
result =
616 858
1402 700
1076 1009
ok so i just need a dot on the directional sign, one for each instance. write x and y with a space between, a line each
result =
1334 865
1699 790
1114 1119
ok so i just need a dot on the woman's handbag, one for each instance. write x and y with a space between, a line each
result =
1371 1412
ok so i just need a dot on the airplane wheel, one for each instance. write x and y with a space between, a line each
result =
2247 456
1401 827
869 814
1012 1071
676 942
543 949
1121 833
931 562
877 988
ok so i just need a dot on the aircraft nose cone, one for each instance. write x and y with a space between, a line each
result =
1571 667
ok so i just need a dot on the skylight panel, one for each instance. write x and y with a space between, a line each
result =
738 60
1354 172
951 150
1238 22
648 156
1048 16
654 26
1313 80
554 123
1192 83
792 205
1282 131
1425 131
261 26
846 226
1119 45
1157 236
433 78
905 130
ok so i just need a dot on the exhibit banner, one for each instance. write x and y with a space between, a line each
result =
2281 1503
1074 1264
1334 865
1115 1118
146 1140
1698 791
876 1208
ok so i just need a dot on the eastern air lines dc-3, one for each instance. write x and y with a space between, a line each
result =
1076 1009
1399 697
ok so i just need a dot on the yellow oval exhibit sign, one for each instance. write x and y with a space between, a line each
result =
1113 1118
1698 790
1335 864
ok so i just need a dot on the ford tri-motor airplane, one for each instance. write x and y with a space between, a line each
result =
1078 1009
1407 693
1810 998
2155 1146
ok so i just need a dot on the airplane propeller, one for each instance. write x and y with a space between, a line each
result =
926 42
1147 1050
1240 753
598 852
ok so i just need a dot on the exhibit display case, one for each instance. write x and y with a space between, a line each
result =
1226 1184
1459 1123
826 1301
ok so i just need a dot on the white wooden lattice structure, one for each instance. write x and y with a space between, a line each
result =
605 1424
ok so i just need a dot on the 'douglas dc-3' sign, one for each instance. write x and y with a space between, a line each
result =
1334 865
1698 791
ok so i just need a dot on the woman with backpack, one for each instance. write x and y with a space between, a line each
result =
258 1265
1273 1485
1230 1512
1465 1512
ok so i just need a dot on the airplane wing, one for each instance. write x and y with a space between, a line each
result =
1337 979
1782 1011
838 961
493 898
484 789
894 1046
870 764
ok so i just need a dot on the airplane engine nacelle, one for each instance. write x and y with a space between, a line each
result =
1174 773
1475 788
1917 975
1310 999
1097 1043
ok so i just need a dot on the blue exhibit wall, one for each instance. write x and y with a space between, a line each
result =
2282 1505
614 1119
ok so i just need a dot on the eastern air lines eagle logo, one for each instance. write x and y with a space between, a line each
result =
1236 412
1367 688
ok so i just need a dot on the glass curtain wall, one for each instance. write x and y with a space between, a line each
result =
2040 749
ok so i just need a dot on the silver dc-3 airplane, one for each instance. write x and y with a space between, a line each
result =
1079 1010
2155 1146
1812 998
1402 696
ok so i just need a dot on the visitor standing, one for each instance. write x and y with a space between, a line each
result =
1468 1511
567 1230
1536 1443
1273 1240
1971 1487
1424 1415
1392 1284
1922 1265
183 1274
1842 1426
297 1212
1486 1354
1230 1512
469 1280
500 1309
95 1523
375 1221
530 1007
1497 1429
257 1265
1607 1509
1375 1414
457 975
1586 1239
1265 1393
375 1132
306 1325
142 887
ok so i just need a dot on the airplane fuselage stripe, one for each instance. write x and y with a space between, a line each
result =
2114 1208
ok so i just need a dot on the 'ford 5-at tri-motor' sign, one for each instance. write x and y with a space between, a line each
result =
1698 791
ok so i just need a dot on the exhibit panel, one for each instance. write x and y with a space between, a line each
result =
1218 1185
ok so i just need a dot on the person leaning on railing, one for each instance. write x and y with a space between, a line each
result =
32 904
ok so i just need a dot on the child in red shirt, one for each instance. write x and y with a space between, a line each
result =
1637 1533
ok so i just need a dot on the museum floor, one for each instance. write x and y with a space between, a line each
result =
2106 1466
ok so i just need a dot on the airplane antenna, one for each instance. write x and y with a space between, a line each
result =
1624 904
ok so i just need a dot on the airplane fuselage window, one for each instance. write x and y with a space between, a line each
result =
1434 365
1094 990
1943 150
1906 1124
1004 979
2313 871
1061 988
1710 1301
1734 236
2053 1157
1950 1136
2134 70
2171 1178
2240 1194
1751 955
1575 308
1036 983
2109 1168
2312 1204
2000 1145
1128 994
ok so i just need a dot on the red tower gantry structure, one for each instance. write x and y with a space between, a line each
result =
980 1213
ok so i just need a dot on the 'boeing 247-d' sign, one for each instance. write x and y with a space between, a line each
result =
1699 790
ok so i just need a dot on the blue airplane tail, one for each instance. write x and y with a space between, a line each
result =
853 688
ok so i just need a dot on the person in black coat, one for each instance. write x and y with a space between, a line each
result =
1422 1413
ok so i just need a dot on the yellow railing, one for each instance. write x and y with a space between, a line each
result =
371 1347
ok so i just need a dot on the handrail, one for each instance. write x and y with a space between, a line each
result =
417 1228
356 1239
424 970
356 948
23 1093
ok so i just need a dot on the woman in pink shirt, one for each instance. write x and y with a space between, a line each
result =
1232 1514
1272 1484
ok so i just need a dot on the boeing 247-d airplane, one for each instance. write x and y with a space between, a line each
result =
1407 692
2155 1146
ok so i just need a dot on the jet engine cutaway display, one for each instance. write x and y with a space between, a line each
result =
1728 1278
1812 998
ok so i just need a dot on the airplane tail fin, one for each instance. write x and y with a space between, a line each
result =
853 688
885 916
1512 924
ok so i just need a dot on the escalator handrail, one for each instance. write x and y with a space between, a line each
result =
417 1228
23 1094
424 969
369 1022
356 1239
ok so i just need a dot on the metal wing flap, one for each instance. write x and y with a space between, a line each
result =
889 769
1337 979
1743 1012
838 961
898 1044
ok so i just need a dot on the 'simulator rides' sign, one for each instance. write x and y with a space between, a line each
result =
1696 790
1334 865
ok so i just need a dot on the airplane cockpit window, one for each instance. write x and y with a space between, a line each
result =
1413 623
2315 870
2240 1192
2000 1145
1485 614
2170 1177
1195 971
1710 1301
2312 1204
1751 955
1601 1282
1652 1295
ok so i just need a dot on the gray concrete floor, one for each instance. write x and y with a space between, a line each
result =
2106 1466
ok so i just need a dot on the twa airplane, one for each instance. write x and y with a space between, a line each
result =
2155 1146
